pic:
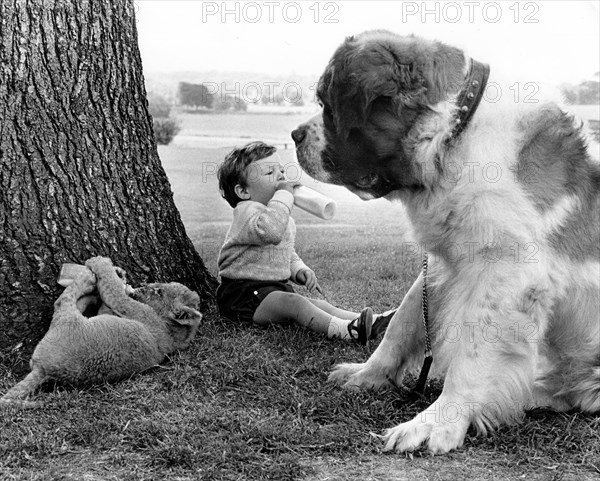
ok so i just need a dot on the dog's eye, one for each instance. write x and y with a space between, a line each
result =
367 181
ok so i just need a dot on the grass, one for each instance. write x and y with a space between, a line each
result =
250 404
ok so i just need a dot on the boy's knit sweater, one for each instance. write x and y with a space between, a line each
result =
260 242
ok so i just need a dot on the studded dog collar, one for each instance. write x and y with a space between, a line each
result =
469 96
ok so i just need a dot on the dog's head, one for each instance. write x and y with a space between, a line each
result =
374 91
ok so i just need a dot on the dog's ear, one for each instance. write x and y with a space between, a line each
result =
442 71
183 324
424 72
410 72
360 73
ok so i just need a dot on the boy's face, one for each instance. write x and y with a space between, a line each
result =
262 178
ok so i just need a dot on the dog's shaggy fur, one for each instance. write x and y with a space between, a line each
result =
509 214
129 334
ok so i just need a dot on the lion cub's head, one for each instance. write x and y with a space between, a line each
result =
177 305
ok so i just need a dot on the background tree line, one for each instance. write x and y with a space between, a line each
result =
194 95
585 93
199 96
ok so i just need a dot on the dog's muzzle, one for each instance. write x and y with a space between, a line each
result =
309 140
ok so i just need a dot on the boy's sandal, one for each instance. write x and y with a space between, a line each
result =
360 328
381 324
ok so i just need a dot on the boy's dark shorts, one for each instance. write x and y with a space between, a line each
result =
238 299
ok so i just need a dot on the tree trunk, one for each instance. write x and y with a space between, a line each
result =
79 170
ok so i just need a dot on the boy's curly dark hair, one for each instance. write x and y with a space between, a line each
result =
233 169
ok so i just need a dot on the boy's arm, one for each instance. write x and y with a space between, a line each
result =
303 275
267 224
296 265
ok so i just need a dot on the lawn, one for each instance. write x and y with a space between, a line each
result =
250 404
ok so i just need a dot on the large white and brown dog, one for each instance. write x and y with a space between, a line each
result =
502 194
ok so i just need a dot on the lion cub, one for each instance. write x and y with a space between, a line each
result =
131 335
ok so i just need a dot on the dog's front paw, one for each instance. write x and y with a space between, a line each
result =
342 372
358 376
406 436
439 436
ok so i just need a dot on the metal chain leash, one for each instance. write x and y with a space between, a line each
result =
424 308
419 388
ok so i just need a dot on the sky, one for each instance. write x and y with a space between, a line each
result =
556 41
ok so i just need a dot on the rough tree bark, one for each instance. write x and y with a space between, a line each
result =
79 170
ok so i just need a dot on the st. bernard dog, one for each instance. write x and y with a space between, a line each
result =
505 199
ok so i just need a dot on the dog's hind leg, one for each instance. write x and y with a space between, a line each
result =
398 351
570 376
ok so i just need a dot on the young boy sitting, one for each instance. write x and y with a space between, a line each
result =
258 258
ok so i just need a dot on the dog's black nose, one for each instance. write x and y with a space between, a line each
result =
298 135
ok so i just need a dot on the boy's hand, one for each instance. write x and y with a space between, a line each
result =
308 279
288 185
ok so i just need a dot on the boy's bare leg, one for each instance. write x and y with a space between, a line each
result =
279 307
334 311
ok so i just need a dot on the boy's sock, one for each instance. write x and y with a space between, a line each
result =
338 328
361 327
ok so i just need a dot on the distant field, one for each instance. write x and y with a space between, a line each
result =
211 130
244 125
227 130
585 112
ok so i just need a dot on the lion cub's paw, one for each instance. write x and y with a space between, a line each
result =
19 403
97 263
